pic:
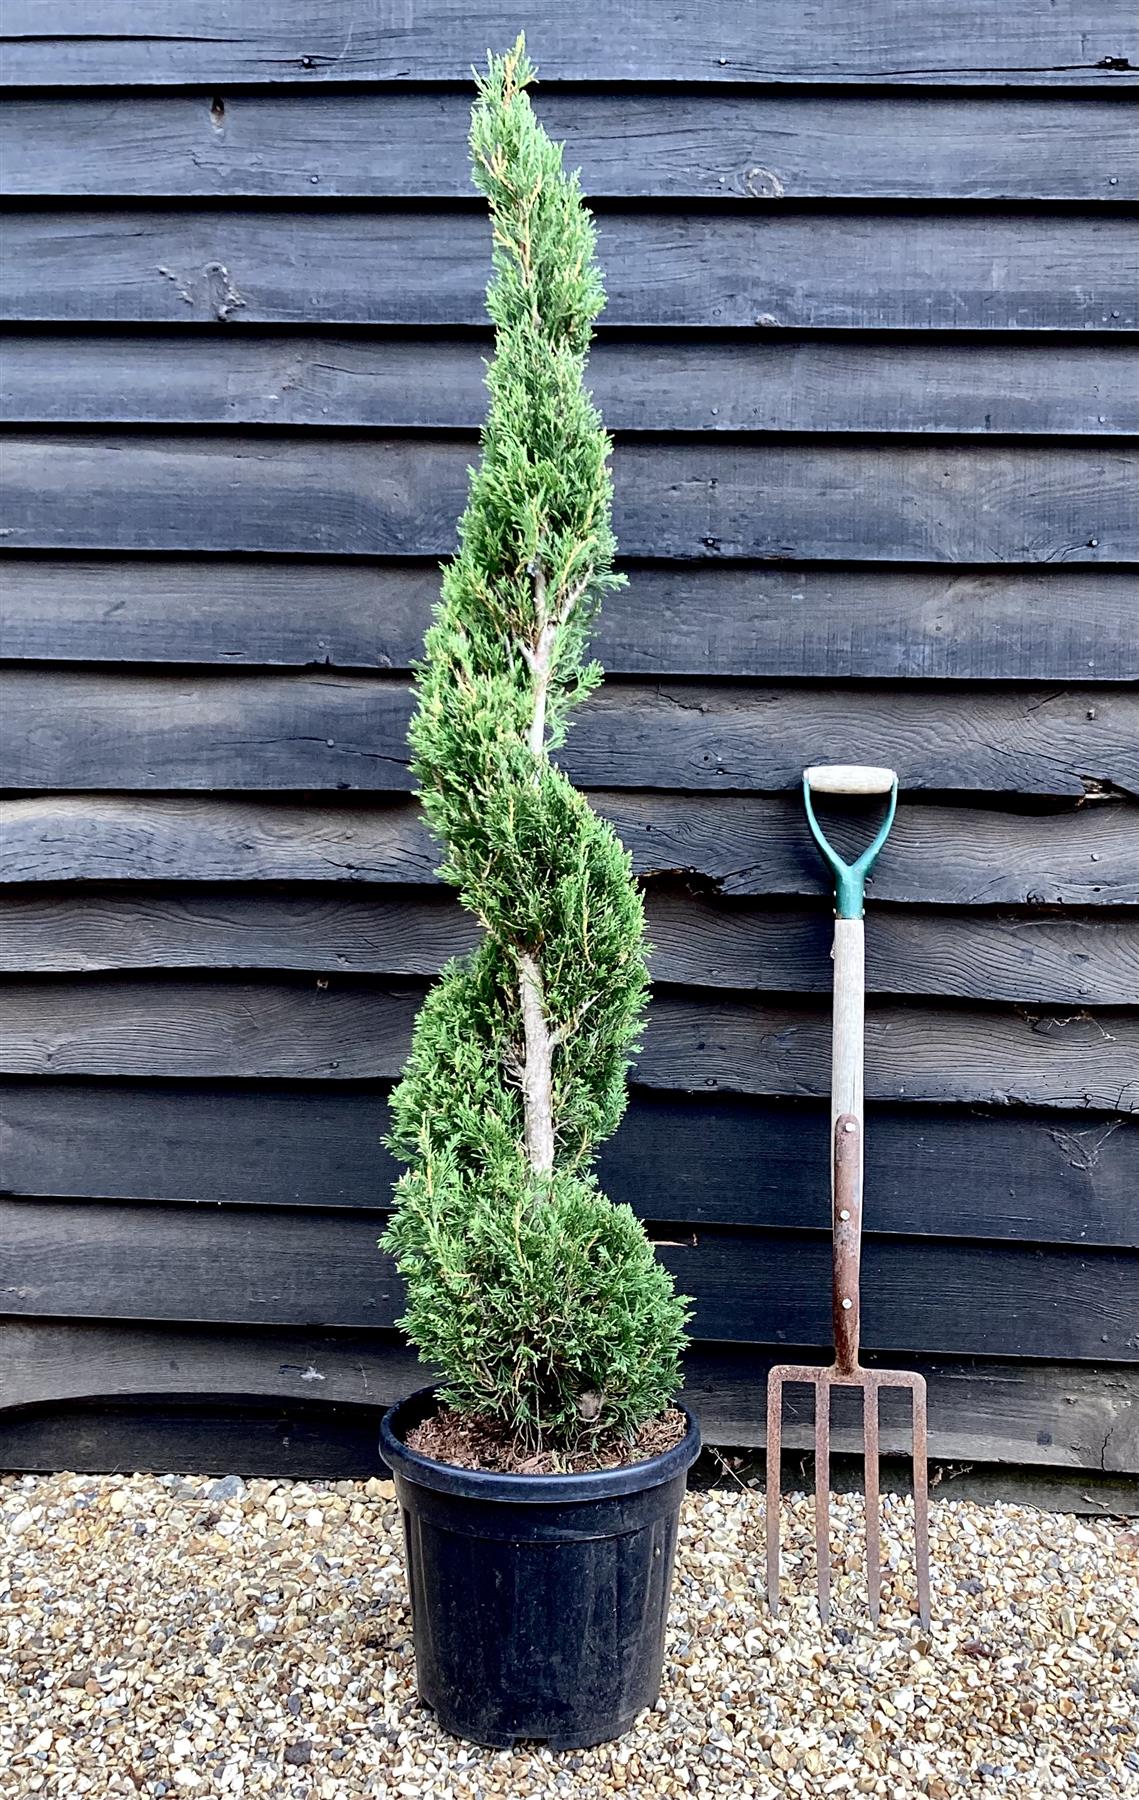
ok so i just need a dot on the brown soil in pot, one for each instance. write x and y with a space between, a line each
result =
472 1441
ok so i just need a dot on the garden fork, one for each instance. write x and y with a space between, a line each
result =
846 1208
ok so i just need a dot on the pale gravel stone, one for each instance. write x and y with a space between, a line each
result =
163 1636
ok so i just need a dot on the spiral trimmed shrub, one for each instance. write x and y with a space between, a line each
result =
540 1303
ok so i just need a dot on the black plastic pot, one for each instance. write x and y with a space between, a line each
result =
538 1602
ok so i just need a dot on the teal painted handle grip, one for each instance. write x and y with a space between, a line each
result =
850 878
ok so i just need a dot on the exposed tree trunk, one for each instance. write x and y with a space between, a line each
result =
540 660
537 1069
538 1063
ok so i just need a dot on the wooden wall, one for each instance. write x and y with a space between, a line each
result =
869 361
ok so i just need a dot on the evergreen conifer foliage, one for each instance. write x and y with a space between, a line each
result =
540 1302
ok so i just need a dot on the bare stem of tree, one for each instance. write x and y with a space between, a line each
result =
537 1070
539 656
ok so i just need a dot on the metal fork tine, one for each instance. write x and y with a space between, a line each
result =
921 1500
774 1459
870 1483
822 1495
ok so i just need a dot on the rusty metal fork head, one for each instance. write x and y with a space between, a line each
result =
845 1371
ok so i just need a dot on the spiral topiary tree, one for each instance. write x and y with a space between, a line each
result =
540 1302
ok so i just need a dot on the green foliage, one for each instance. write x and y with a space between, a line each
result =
540 1302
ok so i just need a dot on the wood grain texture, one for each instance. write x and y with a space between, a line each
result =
701 500
253 1266
308 1440
941 1171
297 41
712 267
91 729
738 844
1048 1415
359 1029
1035 1059
1067 623
413 145
869 283
282 1438
707 382
1077 960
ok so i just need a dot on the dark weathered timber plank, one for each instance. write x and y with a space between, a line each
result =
930 1171
1078 960
705 1159
742 845
112 837
1067 623
1027 740
1049 1415
108 45
331 731
713 266
253 1266
406 933
285 1439
309 1441
712 943
952 856
359 1029
778 382
413 145
97 729
1019 1057
701 500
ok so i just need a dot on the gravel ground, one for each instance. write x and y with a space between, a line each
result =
162 1636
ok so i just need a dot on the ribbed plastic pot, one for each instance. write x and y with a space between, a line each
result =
539 1602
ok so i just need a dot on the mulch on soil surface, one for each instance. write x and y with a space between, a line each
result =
471 1441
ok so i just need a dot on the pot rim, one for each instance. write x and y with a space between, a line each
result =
512 1489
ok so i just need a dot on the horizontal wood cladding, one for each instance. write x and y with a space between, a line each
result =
1048 1414
252 1266
767 381
89 729
1076 960
51 42
286 1438
871 279
359 1029
413 145
698 499
740 845
1068 623
946 1171
715 267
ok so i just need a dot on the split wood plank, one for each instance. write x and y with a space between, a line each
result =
968 384
702 1159
322 1027
703 500
714 266
738 844
51 42
1071 622
94 729
1048 1415
413 145
1076 960
252 1266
